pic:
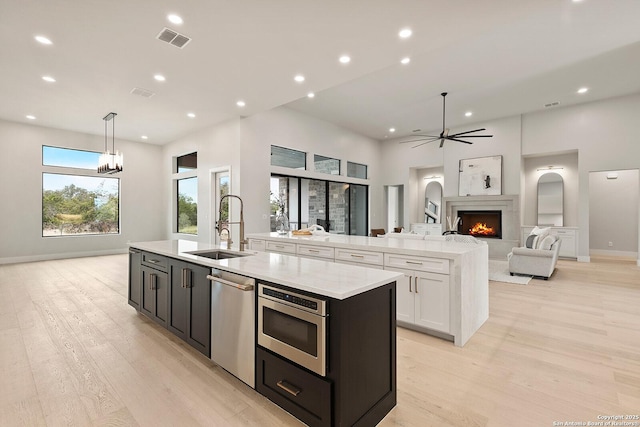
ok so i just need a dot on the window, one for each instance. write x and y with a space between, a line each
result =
79 205
339 207
187 163
69 158
326 165
186 186
356 170
288 158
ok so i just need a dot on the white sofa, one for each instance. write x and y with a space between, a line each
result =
534 262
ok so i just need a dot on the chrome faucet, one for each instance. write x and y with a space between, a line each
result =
221 226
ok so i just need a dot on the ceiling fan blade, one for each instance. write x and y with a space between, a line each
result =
472 136
441 142
422 143
459 140
469 131
421 139
422 134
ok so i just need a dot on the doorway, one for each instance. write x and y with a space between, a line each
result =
221 185
395 206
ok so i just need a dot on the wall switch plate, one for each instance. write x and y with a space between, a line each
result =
610 244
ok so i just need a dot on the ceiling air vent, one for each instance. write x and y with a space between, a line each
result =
174 38
551 104
142 92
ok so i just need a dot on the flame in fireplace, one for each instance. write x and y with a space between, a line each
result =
481 229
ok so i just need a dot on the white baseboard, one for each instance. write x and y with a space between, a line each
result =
48 257
584 259
615 254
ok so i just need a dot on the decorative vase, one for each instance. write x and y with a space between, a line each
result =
282 223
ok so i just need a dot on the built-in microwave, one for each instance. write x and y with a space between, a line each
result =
293 326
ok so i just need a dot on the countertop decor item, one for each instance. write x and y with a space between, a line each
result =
110 162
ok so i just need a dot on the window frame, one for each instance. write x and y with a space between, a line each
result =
80 172
176 177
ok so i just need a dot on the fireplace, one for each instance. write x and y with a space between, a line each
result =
481 223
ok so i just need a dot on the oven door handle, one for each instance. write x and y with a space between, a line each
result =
240 286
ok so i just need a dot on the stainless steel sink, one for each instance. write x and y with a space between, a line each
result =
219 254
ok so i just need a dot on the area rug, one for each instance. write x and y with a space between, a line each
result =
499 272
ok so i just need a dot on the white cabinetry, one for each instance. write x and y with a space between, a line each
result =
257 245
280 247
310 251
422 295
358 257
427 229
568 236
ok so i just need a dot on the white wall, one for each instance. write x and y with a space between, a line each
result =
613 212
605 135
141 208
401 160
245 145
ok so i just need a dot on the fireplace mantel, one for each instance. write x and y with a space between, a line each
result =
509 205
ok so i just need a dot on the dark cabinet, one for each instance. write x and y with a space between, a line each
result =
135 278
190 305
154 288
359 388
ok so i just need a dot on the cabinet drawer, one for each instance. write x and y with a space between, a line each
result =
315 251
282 247
417 263
155 261
361 257
257 245
306 396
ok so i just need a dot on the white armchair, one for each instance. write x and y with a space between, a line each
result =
534 262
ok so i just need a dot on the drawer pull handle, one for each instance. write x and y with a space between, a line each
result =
153 261
289 388
279 246
357 256
413 262
314 251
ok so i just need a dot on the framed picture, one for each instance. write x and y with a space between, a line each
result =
480 177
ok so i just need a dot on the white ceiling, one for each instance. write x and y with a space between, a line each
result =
494 57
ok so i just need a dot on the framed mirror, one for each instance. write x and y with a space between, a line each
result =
550 200
432 201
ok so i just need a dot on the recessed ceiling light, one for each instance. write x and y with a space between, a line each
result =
311 95
191 115
48 79
405 61
159 77
299 78
583 90
144 137
468 114
345 59
30 117
174 19
43 40
405 33
241 103
392 130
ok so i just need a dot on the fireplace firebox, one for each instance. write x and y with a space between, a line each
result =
481 223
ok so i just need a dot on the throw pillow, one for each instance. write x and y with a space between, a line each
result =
538 231
531 241
547 242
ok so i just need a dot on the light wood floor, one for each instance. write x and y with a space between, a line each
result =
73 352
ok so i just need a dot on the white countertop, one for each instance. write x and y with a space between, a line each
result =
410 245
320 277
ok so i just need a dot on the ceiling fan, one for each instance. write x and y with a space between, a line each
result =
445 132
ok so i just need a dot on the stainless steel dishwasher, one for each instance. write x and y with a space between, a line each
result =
233 323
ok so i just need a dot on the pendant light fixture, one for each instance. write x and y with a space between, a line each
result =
110 161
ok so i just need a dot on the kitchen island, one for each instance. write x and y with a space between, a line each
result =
444 290
351 379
